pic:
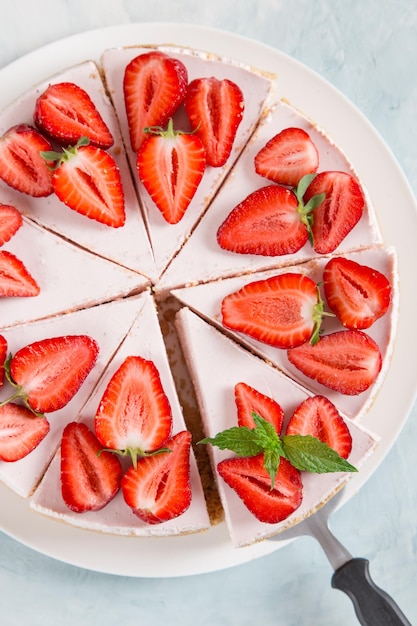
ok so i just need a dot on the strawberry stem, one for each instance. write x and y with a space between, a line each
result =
306 210
169 132
134 453
20 393
67 153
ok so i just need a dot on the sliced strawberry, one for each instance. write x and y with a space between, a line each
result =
252 483
65 112
170 165
159 488
15 280
3 357
21 164
215 109
90 477
340 210
87 179
154 86
267 223
20 431
287 157
282 311
356 293
249 401
347 361
134 413
318 416
48 373
10 222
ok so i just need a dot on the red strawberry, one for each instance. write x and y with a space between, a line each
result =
282 311
287 157
356 293
159 488
15 280
87 179
90 477
49 372
65 112
21 164
252 483
339 212
10 222
20 431
3 357
347 361
134 413
317 416
170 165
215 109
267 223
249 400
154 86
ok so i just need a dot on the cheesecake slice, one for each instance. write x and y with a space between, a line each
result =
143 339
214 377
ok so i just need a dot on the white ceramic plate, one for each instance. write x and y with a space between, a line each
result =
397 213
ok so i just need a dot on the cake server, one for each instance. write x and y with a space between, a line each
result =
373 606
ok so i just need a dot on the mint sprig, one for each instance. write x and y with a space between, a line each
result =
304 452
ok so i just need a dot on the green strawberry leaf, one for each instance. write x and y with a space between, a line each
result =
308 453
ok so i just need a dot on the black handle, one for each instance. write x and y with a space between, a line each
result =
373 606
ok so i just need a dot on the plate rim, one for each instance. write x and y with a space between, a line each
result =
212 551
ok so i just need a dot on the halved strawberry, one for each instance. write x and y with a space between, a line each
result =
252 483
21 164
267 223
287 157
48 373
134 414
20 431
10 222
170 165
15 280
3 357
249 400
282 311
154 86
356 293
159 488
90 478
347 361
87 179
318 416
65 112
340 210
215 109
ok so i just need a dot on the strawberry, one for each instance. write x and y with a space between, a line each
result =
134 414
159 488
15 279
287 157
154 86
347 361
318 416
356 293
215 109
3 357
87 179
21 164
171 164
90 477
10 222
266 223
249 401
340 210
48 373
252 483
20 431
282 311
65 112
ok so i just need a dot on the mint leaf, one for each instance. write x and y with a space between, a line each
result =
239 439
308 453
272 459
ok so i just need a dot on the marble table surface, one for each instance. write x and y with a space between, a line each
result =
368 50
